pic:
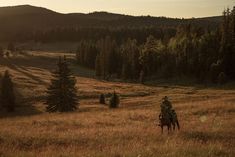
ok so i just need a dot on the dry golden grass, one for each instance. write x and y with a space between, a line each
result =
206 116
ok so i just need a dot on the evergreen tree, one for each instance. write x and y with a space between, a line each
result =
1 52
114 101
97 66
233 27
227 50
190 51
102 99
1 92
215 71
130 59
62 93
86 53
222 78
108 56
150 57
104 49
1 102
142 76
8 54
8 96
11 47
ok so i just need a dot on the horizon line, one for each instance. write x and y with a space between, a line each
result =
147 15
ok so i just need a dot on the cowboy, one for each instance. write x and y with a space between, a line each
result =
166 106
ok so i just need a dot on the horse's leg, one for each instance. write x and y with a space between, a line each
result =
162 128
173 123
169 128
178 125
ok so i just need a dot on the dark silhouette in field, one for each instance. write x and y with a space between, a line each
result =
1 52
102 99
62 93
165 121
168 116
168 121
114 100
7 92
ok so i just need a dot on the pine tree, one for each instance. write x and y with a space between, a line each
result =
222 78
11 47
102 99
108 53
130 59
114 101
214 71
227 43
142 77
103 46
7 54
62 93
1 102
0 92
1 52
150 56
8 96
97 66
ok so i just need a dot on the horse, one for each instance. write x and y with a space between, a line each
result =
174 120
168 120
165 121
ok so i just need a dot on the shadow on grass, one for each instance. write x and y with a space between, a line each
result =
188 82
205 137
22 70
21 64
93 109
20 111
24 107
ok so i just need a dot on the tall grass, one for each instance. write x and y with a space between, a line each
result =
206 116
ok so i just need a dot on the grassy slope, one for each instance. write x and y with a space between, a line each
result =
206 115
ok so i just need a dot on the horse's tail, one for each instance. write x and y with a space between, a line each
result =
177 123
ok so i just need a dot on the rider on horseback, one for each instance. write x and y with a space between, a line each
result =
168 115
166 107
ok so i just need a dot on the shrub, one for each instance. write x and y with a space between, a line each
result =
102 99
114 101
7 54
1 52
11 47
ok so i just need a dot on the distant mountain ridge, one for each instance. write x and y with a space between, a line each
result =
16 20
24 9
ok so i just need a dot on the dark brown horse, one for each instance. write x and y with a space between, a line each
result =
168 120
174 121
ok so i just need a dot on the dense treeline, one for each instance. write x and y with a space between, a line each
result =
120 34
193 51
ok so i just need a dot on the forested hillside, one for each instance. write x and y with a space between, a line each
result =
26 23
143 47
193 51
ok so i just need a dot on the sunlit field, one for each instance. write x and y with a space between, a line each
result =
206 116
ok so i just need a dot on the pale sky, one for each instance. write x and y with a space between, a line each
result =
169 8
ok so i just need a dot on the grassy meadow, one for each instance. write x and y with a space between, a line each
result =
206 116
